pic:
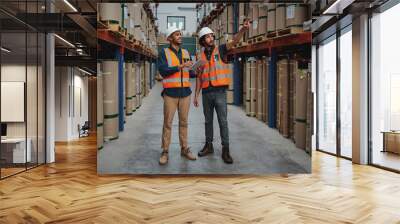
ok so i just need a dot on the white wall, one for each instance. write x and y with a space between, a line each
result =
33 126
82 83
169 9
69 81
62 83
17 73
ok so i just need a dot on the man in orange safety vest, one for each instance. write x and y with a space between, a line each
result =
213 78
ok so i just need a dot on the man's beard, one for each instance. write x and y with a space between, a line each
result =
211 44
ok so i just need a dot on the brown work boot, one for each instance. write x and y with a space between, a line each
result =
188 154
207 149
164 158
226 157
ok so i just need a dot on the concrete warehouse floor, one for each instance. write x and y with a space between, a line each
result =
255 148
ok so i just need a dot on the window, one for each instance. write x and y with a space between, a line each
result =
327 96
22 72
176 21
385 89
346 75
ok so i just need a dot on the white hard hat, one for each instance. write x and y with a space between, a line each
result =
171 30
205 31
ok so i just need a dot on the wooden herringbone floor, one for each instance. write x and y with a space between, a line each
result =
70 191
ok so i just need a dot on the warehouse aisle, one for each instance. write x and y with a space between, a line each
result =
255 148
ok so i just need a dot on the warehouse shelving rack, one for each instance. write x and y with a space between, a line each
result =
121 42
112 45
271 48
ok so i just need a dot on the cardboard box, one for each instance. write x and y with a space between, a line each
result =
265 90
230 27
301 94
300 134
254 8
248 82
242 15
242 12
271 26
296 14
110 12
262 25
250 32
224 15
277 100
262 10
292 93
230 16
259 84
280 18
271 6
244 87
229 96
255 27
283 97
231 83
253 99
254 17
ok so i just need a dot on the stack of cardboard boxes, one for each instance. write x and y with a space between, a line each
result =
293 97
132 21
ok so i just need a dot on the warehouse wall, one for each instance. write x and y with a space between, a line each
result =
165 10
188 43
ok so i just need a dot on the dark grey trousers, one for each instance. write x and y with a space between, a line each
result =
216 100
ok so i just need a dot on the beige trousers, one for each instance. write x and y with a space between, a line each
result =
171 104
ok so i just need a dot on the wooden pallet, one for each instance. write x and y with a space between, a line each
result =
251 40
241 44
272 34
256 39
291 30
112 26
130 37
260 38
136 43
101 25
284 32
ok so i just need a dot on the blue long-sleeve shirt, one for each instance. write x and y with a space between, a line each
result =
165 71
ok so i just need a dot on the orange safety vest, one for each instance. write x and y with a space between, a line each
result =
178 79
215 71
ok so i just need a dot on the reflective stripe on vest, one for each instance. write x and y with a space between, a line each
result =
178 79
215 72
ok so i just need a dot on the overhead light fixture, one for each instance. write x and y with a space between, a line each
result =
86 72
70 5
64 40
5 50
